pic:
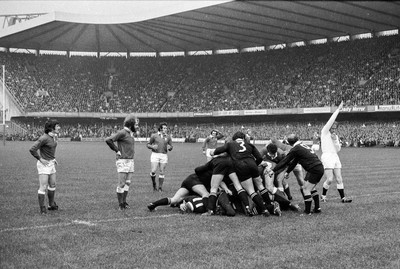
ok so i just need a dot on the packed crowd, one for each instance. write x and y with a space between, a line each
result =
354 134
360 72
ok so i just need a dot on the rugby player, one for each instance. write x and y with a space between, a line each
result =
125 152
330 146
46 164
245 159
160 143
210 143
302 154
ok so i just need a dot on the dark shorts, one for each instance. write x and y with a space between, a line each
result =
222 166
315 174
246 169
189 182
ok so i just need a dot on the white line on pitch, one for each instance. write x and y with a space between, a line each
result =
84 222
93 222
35 227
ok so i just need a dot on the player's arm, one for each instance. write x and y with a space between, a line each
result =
331 120
110 142
34 150
169 144
291 166
221 149
257 155
204 147
150 143
35 147
219 135
289 157
280 145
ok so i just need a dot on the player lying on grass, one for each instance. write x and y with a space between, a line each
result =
198 183
227 205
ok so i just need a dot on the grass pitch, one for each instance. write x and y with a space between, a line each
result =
89 232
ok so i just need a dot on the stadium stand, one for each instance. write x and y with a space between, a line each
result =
360 72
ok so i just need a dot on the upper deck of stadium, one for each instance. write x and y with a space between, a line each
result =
192 26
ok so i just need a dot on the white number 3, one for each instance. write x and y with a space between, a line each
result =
241 143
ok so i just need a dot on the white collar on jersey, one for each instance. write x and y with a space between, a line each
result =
128 130
295 144
52 134
161 134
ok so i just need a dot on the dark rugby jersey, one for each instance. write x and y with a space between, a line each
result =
221 165
299 154
240 150
47 146
125 142
195 204
161 141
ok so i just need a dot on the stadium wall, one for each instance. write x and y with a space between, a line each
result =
356 113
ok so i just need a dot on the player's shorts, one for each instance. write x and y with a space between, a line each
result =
315 174
245 169
46 169
189 182
315 147
208 153
125 165
158 157
331 160
222 166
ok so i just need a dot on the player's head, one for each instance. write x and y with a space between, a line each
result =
272 149
238 135
213 132
163 127
51 125
132 122
185 207
292 139
334 126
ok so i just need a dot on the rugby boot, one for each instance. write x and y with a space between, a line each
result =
151 207
52 207
346 200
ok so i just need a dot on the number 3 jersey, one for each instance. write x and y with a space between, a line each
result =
240 150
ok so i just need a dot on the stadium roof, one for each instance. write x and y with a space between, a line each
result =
214 26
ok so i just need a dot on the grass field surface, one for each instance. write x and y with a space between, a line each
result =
89 232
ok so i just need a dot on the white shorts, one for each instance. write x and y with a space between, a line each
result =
208 152
315 147
158 157
46 169
125 165
331 160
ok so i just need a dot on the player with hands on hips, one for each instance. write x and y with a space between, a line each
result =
46 162
125 152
